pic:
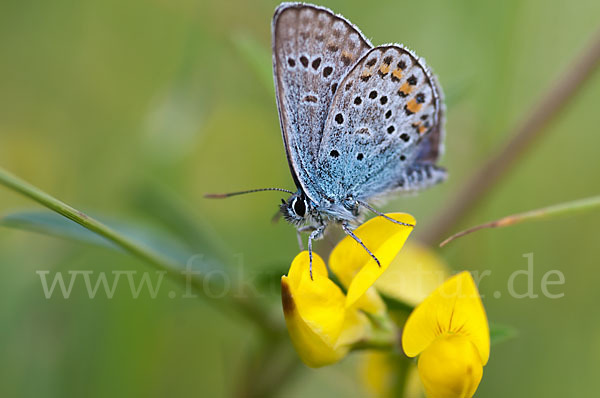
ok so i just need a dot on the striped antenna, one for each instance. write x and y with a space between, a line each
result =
227 195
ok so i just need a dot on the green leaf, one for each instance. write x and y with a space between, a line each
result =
52 224
500 333
126 241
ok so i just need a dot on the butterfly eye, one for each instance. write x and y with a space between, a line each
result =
299 207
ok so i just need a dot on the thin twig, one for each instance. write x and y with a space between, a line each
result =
550 211
531 128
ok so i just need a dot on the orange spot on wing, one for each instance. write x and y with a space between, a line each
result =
397 73
347 55
419 127
384 69
406 88
413 106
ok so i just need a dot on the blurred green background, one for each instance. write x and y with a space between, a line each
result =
133 110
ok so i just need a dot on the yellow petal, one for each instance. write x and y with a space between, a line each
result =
301 267
453 308
352 264
413 274
320 327
371 302
356 327
383 373
378 373
450 367
414 385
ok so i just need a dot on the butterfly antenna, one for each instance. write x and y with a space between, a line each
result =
366 205
229 194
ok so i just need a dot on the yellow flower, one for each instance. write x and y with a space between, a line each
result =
413 274
357 271
323 323
319 325
377 373
389 374
450 332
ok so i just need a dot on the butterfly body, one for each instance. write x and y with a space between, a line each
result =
358 122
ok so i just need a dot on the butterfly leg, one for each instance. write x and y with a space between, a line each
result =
374 210
299 231
314 235
348 231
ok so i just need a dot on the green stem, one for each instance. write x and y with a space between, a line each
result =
243 305
546 212
382 342
384 335
18 185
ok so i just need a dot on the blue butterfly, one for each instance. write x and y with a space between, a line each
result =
358 122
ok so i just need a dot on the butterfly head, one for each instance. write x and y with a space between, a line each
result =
296 209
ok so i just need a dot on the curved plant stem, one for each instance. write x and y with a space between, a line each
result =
546 212
531 128
245 306
18 185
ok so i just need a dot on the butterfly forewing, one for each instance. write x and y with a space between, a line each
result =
312 50
384 108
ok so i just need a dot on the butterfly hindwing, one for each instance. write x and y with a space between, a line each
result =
431 147
384 109
312 51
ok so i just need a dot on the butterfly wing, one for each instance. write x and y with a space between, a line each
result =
431 147
312 50
383 126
